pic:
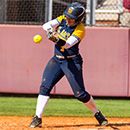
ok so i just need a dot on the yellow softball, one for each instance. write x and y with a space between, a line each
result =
37 39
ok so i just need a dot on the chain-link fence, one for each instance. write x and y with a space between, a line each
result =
32 12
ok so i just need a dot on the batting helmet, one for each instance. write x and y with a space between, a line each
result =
75 11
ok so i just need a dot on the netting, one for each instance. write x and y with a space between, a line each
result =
111 13
22 11
30 12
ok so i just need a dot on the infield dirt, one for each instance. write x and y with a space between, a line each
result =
63 123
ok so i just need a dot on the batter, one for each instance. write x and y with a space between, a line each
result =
69 32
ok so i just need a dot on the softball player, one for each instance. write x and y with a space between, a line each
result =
66 61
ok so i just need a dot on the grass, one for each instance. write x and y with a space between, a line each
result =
23 106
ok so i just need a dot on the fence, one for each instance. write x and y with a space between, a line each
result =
105 51
30 12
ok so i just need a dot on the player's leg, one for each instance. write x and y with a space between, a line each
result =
73 72
51 75
98 115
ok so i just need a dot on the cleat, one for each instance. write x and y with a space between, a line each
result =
37 122
101 119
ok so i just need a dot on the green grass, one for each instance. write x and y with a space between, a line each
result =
17 106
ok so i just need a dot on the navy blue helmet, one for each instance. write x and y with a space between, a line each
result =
75 11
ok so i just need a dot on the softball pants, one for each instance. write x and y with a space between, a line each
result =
69 67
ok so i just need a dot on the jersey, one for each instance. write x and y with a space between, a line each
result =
64 32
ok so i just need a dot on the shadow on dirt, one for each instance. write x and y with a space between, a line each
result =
113 126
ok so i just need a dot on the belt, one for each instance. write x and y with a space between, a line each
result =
63 57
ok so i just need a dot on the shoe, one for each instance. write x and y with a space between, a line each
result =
37 122
100 118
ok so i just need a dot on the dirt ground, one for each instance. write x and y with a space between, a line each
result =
63 123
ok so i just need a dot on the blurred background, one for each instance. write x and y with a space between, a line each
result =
37 12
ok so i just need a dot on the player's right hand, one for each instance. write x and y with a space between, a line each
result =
53 36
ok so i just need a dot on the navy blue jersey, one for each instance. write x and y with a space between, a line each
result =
64 32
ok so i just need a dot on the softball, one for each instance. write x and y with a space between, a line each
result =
37 39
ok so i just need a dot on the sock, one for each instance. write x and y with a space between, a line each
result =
41 104
96 112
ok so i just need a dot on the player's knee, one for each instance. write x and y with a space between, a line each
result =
84 97
44 90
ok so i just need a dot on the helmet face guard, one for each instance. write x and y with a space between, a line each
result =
75 11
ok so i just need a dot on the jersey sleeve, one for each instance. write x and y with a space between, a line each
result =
79 31
60 18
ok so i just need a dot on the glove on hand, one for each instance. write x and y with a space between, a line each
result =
53 36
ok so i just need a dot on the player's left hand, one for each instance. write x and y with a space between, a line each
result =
53 36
